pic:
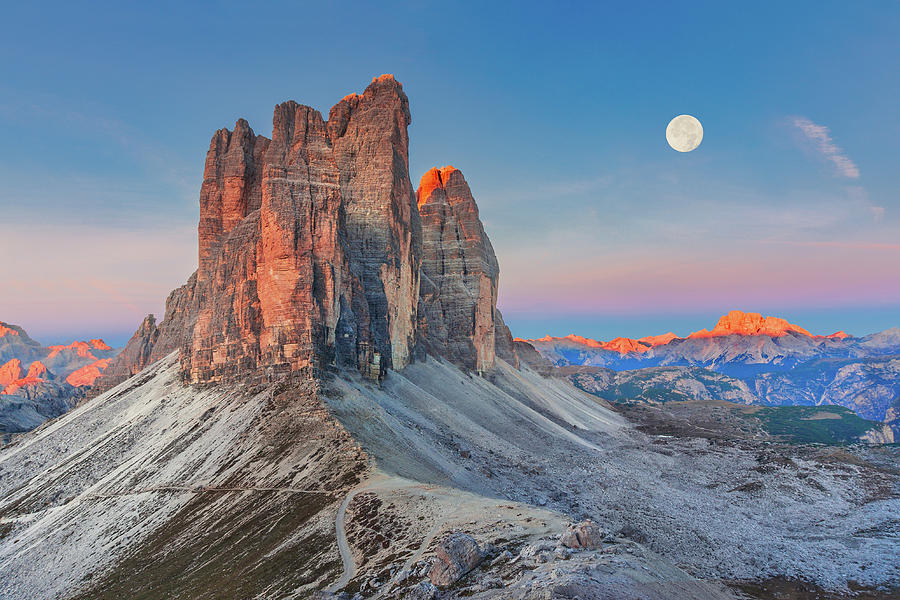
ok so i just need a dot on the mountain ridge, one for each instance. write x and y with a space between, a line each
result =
40 382
735 322
781 363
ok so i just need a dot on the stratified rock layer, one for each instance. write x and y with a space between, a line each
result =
309 249
459 274
311 252
371 149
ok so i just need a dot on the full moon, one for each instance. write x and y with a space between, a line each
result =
684 133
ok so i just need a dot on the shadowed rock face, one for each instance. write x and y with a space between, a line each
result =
371 149
311 252
459 273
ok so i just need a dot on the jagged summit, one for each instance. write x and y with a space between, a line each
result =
735 322
5 329
738 322
458 316
432 180
311 250
622 345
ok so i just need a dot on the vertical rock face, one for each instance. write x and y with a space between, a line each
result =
302 270
311 251
459 274
504 345
371 149
232 186
309 248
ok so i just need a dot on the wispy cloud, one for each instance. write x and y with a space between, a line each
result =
820 137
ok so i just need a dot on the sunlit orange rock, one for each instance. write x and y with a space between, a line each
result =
740 323
839 335
659 340
625 345
10 372
82 349
571 338
622 345
21 383
88 374
37 369
98 344
4 330
581 340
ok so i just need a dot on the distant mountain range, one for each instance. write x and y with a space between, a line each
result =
42 382
778 363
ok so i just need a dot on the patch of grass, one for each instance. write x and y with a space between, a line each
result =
804 424
254 544
791 589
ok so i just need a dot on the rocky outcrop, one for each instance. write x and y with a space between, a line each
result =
134 357
311 252
15 343
504 346
231 189
584 535
738 322
456 555
459 274
10 371
37 369
86 375
530 357
371 149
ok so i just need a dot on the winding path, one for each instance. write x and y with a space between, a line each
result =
343 546
380 482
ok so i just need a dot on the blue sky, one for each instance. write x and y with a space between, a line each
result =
555 114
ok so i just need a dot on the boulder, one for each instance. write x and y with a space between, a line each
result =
584 535
458 554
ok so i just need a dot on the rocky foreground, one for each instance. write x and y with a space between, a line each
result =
284 489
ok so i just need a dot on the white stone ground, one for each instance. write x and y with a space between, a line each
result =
514 455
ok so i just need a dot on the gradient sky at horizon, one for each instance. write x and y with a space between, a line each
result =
556 116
